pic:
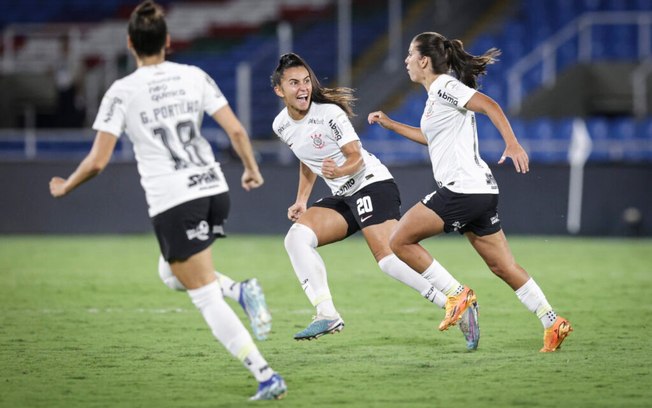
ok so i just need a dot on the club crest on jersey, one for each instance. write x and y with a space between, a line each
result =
317 141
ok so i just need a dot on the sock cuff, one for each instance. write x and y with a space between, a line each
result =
525 288
320 299
305 232
383 262
202 296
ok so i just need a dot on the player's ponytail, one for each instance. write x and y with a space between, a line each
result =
449 55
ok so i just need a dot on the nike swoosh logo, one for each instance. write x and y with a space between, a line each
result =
363 219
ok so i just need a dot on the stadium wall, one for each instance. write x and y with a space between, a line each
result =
114 202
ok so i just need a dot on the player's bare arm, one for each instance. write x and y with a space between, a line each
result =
306 182
251 177
407 131
352 165
92 165
482 103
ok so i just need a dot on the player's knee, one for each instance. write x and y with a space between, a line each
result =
166 275
395 244
300 234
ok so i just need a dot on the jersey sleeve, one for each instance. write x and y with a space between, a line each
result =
341 129
111 116
213 97
455 93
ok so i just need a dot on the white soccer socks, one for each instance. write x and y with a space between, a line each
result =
229 287
300 244
442 280
228 329
531 295
400 271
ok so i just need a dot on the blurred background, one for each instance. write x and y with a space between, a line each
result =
575 78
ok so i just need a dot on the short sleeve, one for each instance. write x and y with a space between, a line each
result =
455 93
341 129
111 116
212 96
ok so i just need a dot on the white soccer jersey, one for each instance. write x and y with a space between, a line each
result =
452 136
161 107
321 134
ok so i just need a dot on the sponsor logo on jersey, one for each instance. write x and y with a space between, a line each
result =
317 141
200 232
213 85
207 177
313 121
447 97
115 101
283 127
337 132
166 94
491 181
345 187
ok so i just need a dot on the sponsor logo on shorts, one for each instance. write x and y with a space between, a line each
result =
200 232
428 197
363 219
457 225
495 219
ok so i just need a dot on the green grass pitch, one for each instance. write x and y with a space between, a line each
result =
85 322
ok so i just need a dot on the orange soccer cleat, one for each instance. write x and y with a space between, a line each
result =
455 306
555 335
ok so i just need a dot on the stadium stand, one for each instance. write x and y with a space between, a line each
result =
219 35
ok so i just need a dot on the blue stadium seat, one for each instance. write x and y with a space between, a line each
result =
599 132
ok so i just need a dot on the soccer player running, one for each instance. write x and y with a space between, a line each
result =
160 107
315 125
466 194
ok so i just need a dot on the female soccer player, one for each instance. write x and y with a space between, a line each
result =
466 196
160 107
315 125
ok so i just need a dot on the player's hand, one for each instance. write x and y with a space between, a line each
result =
295 211
251 179
57 187
519 158
329 168
380 118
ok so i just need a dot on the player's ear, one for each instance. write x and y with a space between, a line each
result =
278 91
168 41
130 44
